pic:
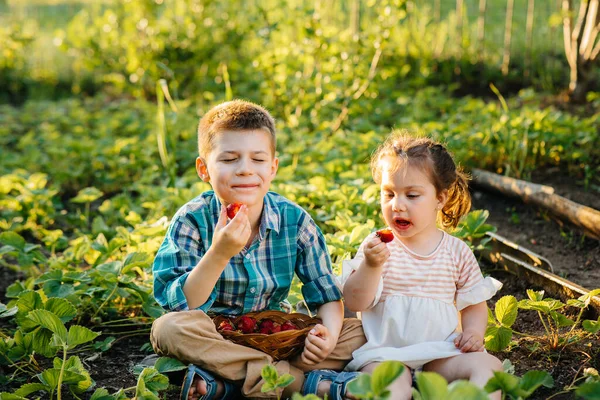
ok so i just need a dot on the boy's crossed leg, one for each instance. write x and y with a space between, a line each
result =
191 337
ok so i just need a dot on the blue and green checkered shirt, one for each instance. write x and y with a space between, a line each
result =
259 277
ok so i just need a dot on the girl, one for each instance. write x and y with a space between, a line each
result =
410 290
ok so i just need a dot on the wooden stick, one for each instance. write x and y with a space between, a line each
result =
543 196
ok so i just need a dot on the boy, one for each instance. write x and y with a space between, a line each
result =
209 264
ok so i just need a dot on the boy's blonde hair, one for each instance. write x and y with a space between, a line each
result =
432 157
235 115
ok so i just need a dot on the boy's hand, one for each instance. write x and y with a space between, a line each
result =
376 252
469 342
230 238
318 345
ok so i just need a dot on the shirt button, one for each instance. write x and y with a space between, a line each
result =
252 290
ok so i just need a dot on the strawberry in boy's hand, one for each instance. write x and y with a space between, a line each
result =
385 235
233 209
246 324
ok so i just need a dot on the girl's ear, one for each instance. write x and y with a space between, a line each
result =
442 198
202 169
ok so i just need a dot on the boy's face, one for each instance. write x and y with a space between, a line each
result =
240 167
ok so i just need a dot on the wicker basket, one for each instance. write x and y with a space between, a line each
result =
281 345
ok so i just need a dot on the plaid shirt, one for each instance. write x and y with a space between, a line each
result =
259 277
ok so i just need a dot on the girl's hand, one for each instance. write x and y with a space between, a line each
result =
469 342
318 345
376 252
230 238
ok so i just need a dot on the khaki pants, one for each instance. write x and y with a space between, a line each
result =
191 337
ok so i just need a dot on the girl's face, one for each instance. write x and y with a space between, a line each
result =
409 201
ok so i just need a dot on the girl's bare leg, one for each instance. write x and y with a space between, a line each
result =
477 367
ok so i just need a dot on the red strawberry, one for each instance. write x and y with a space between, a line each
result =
246 324
288 326
385 235
233 209
266 326
225 326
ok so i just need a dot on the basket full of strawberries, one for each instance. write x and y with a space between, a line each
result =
279 334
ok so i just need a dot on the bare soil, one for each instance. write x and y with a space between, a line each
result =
573 255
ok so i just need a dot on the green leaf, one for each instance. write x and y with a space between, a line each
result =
459 390
589 390
502 381
101 394
49 321
544 306
11 396
432 386
50 377
561 320
42 342
79 334
106 344
7 312
384 374
62 308
269 374
591 326
361 386
13 239
150 379
55 288
75 366
497 338
506 310
167 364
267 387
29 301
29 388
535 295
284 380
533 380
151 308
87 195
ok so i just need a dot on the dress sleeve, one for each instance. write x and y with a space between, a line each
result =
471 287
349 266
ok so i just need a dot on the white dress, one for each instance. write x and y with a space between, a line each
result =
414 317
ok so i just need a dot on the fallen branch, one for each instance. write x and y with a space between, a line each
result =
542 196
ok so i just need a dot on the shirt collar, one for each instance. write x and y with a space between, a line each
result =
270 218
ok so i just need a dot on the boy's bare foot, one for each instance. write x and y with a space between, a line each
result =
323 389
199 389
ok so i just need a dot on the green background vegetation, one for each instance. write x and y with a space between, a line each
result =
101 103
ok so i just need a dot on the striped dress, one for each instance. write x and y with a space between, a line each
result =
414 317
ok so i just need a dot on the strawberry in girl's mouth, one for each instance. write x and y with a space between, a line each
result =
385 235
402 224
